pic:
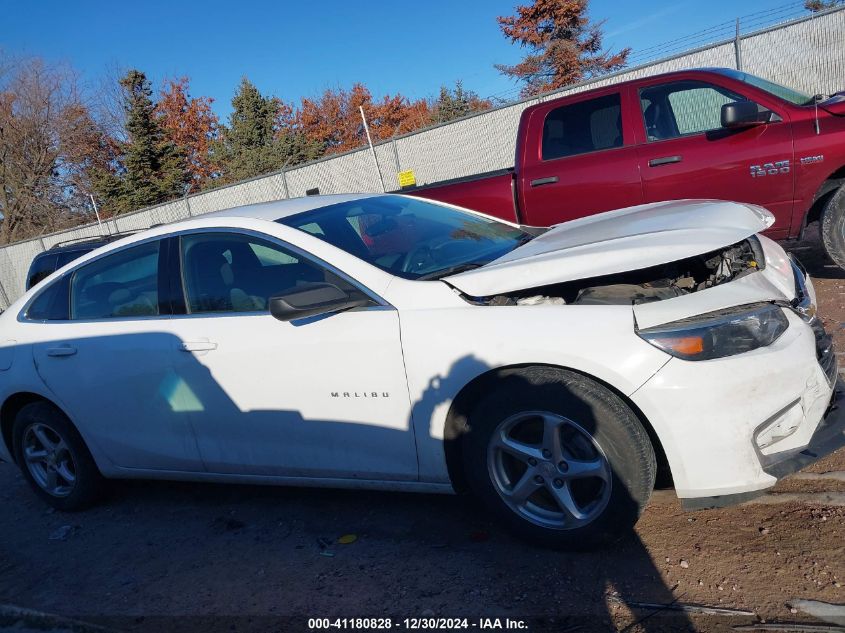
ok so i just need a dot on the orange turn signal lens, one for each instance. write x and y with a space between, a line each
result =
684 345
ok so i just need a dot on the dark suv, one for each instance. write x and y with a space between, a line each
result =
48 262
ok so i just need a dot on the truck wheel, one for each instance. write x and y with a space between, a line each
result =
559 458
54 459
833 227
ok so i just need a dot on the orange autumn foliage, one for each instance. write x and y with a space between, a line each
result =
334 120
564 45
191 125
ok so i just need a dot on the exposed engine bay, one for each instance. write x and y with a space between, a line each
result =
645 285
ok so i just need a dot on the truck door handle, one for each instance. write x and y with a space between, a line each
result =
197 346
58 352
657 162
544 181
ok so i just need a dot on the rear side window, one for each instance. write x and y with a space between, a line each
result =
124 284
682 108
51 304
586 126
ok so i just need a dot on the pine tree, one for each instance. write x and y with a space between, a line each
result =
565 46
453 104
261 136
151 170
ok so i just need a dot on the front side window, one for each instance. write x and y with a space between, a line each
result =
124 284
232 272
586 126
682 108
410 237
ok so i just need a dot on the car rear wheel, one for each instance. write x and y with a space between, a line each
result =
833 227
54 459
559 458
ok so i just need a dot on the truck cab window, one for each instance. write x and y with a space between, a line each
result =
586 126
682 108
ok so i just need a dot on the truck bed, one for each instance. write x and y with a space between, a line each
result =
490 192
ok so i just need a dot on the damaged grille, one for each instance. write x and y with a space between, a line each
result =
825 352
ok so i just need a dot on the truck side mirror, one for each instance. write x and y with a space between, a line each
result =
740 114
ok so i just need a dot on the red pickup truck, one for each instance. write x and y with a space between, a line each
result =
705 133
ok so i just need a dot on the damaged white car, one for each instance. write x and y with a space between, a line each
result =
384 341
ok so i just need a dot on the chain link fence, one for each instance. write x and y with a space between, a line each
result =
807 53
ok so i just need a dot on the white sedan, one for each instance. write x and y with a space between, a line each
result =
384 341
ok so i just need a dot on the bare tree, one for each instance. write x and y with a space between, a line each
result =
48 145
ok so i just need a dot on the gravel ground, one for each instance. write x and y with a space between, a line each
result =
180 557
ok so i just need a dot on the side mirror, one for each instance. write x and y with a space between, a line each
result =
741 114
310 300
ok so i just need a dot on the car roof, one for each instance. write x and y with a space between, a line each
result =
279 209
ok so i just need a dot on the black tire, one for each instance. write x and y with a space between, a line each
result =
832 227
617 435
75 458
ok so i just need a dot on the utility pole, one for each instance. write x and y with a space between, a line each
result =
97 213
188 199
372 149
738 47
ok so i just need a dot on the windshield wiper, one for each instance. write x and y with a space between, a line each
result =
452 270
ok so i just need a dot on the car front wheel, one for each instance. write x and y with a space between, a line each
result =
559 458
54 459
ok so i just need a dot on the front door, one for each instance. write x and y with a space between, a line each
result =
687 154
320 397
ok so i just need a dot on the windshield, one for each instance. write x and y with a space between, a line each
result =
782 92
410 237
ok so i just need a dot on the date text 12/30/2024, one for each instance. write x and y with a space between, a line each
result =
414 624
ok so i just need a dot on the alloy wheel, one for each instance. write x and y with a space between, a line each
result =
549 470
49 459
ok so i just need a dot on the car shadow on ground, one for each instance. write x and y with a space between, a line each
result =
181 556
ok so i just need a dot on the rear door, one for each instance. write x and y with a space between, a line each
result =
686 153
579 159
106 356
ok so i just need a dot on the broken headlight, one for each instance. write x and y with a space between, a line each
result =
721 333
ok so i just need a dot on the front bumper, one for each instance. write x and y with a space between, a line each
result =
731 427
828 437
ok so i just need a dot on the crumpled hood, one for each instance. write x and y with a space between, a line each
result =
616 241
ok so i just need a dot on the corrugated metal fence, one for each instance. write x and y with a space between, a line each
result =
807 54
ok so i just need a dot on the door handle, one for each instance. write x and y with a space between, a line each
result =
58 352
197 346
544 181
666 160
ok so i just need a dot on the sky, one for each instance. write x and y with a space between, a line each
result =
295 49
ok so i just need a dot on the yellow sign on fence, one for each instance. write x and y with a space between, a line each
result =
407 178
